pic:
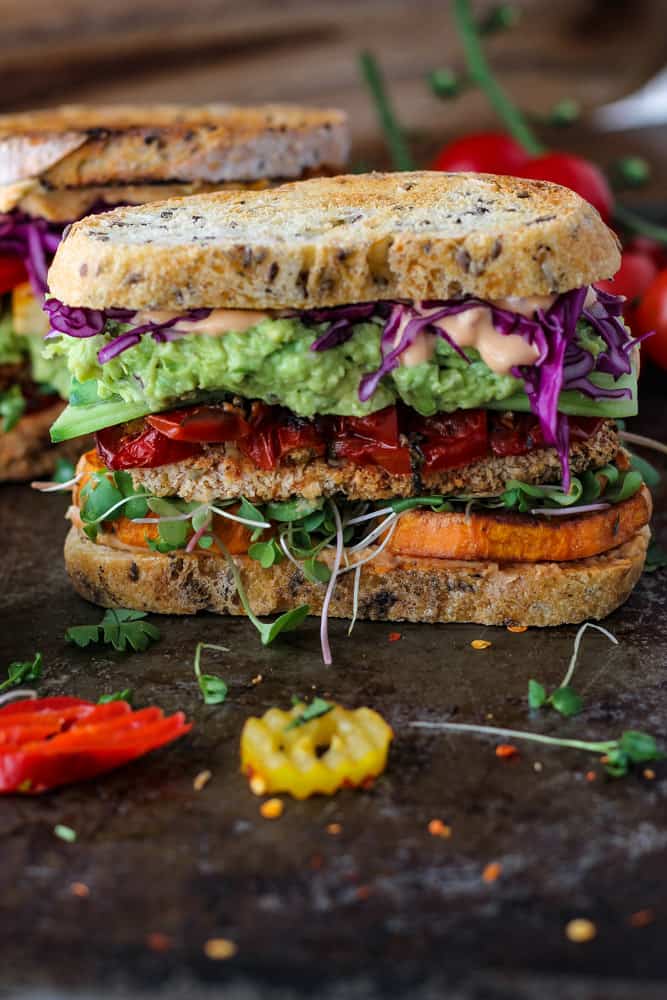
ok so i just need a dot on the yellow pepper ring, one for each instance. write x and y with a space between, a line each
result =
344 747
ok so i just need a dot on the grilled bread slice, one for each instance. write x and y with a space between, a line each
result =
79 146
335 240
392 588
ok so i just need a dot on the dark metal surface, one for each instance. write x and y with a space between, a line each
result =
382 909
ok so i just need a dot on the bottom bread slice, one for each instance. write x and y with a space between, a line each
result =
391 589
26 451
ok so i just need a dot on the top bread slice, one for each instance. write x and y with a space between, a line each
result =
335 240
79 146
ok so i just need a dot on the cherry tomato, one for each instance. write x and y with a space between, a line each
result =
138 446
634 276
485 152
649 248
201 424
12 273
651 314
573 172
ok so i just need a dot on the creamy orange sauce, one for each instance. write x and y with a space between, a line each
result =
219 322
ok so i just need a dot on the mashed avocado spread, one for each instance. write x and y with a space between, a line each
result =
272 361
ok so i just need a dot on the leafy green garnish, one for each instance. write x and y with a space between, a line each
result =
127 694
12 408
317 707
213 688
119 628
266 553
656 558
65 833
64 471
23 672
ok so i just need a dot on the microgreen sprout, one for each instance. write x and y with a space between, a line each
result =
632 747
317 708
564 699
22 672
213 688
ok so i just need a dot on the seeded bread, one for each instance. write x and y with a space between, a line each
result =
334 240
392 588
82 146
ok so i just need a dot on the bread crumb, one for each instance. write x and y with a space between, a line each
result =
201 780
580 930
480 644
334 829
517 628
220 948
79 889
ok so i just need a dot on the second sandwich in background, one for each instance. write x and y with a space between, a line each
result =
60 164
384 396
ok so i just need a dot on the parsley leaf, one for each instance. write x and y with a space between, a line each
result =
317 707
119 628
21 673
127 694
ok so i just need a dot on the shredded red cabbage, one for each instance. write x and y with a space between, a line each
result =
34 240
81 322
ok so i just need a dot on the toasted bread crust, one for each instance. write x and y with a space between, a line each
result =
26 451
81 146
391 589
335 240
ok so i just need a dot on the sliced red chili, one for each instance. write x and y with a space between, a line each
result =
49 742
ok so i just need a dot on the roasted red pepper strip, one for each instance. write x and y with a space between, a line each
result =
48 742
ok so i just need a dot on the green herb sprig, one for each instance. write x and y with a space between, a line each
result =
401 156
620 755
213 688
318 707
120 628
23 672
127 694
564 699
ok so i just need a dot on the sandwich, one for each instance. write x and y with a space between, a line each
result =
61 164
389 397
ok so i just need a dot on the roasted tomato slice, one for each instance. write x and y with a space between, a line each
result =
137 445
12 273
515 434
373 440
201 424
452 439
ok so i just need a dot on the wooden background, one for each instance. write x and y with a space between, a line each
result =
307 50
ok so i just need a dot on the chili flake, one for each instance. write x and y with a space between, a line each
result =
580 930
591 775
642 918
334 829
394 636
220 948
439 829
157 941
272 809
480 644
506 750
79 889
492 872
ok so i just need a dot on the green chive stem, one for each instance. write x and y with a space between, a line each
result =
636 224
394 136
480 72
